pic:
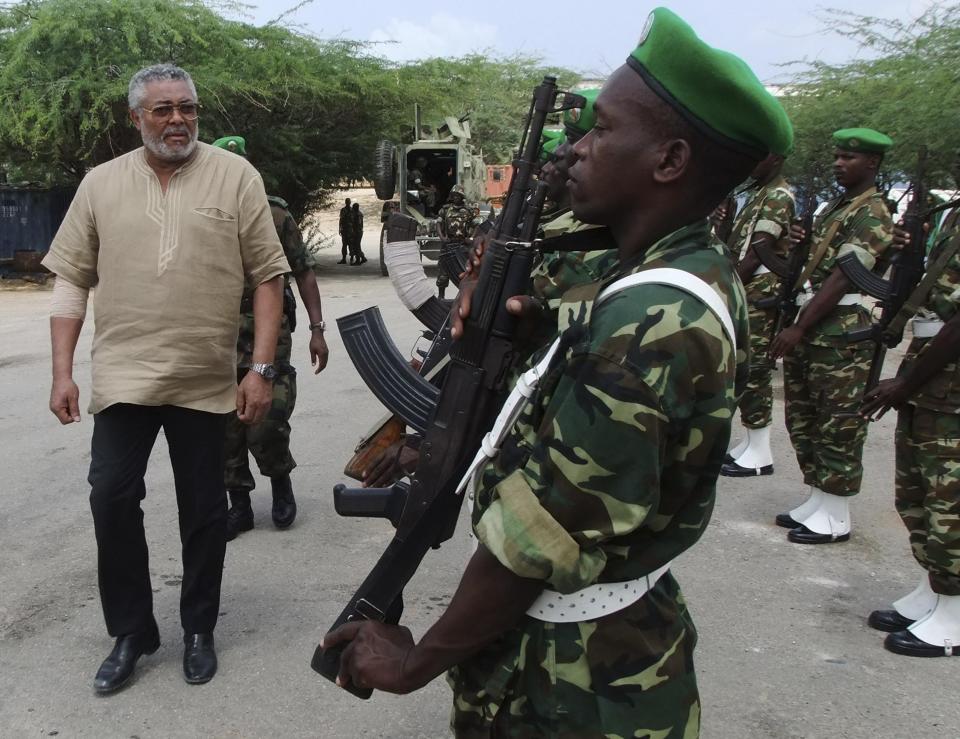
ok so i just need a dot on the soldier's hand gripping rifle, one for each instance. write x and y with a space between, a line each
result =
469 400
906 272
789 271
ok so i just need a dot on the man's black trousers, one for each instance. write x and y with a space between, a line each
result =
123 436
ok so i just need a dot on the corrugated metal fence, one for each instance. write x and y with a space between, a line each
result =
30 217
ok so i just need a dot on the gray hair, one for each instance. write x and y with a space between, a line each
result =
155 73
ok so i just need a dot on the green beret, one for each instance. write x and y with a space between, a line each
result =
552 138
864 140
715 91
578 121
236 144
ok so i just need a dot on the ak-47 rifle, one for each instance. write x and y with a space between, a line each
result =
906 272
789 270
467 404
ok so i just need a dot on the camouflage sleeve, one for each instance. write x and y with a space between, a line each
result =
293 246
775 215
619 413
866 232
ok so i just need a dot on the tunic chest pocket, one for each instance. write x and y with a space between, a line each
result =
215 231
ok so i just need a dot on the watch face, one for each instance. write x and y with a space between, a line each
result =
270 372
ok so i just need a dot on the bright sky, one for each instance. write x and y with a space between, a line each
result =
592 37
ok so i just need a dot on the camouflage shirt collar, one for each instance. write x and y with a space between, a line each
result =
696 231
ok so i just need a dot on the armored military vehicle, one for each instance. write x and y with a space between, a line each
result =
416 178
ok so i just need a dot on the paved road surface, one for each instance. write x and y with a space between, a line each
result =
784 649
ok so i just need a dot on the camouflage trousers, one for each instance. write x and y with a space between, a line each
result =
756 403
823 387
629 674
268 441
928 492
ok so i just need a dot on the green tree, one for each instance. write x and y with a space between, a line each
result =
905 84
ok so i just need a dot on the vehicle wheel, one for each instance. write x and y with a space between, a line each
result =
383 243
384 170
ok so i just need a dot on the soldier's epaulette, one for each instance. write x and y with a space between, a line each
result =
274 200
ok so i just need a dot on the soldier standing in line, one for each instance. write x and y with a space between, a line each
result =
356 236
269 440
764 222
610 472
345 231
926 393
824 376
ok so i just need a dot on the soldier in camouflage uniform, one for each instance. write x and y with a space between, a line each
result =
824 376
763 222
456 216
269 440
610 472
926 392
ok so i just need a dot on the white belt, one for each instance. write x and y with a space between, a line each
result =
848 299
594 601
926 328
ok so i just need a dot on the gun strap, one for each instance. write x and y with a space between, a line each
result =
589 239
919 295
828 237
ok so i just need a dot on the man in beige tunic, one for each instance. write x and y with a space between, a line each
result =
165 235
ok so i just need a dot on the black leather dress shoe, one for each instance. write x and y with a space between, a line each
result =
284 505
803 535
903 642
888 621
727 458
787 521
117 668
732 469
199 659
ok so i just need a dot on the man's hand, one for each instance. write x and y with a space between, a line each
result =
393 463
318 352
529 312
375 656
65 400
886 395
786 341
719 213
254 396
468 283
797 233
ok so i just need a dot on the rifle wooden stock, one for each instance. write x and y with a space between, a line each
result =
372 446
471 396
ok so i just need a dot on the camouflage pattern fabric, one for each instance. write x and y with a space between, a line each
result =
928 446
457 221
867 232
557 272
769 210
820 384
609 474
268 441
826 376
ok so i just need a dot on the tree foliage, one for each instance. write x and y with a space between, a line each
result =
311 109
905 84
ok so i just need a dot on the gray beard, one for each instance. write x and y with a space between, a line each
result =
159 148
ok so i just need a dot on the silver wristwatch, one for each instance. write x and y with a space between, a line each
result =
266 371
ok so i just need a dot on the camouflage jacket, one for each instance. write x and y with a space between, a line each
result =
867 232
942 391
457 221
296 254
769 210
611 470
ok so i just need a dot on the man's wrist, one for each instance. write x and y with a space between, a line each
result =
320 326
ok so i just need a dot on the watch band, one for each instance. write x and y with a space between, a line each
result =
266 371
318 326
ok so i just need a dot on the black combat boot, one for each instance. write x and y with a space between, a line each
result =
284 505
240 515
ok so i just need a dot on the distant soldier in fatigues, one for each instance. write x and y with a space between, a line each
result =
763 222
926 392
824 376
356 236
346 231
269 440
456 216
568 621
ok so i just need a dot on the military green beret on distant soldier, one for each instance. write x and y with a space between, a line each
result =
552 138
862 140
236 144
577 122
715 91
